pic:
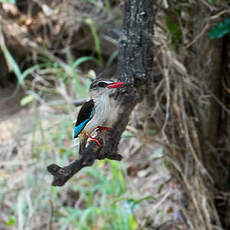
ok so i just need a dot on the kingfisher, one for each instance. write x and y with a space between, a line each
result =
98 113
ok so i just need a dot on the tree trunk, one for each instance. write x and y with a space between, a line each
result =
207 68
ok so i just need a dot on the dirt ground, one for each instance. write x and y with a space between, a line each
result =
147 173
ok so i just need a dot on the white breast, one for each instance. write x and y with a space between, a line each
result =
101 114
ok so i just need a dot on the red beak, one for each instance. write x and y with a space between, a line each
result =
115 85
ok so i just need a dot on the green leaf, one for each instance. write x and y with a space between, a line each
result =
96 40
127 134
11 221
134 202
174 29
13 64
160 188
29 70
81 60
220 30
9 1
212 1
27 99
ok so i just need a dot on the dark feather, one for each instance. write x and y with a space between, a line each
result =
85 112
85 115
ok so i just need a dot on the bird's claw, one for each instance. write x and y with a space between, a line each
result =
94 139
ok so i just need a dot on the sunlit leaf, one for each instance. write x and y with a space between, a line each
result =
27 99
127 134
9 1
11 221
133 223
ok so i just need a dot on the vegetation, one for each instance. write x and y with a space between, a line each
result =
98 198
104 196
49 52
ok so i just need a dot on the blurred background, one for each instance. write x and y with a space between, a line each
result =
49 50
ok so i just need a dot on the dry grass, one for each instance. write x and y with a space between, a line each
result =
139 194
180 98
105 196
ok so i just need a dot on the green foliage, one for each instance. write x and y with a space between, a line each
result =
27 99
174 29
9 1
99 191
220 30
61 69
13 65
212 1
74 65
107 4
64 73
11 221
101 199
96 40
97 197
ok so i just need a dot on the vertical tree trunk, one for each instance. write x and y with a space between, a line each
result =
207 68
135 59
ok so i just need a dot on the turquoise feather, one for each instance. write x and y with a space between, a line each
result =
80 127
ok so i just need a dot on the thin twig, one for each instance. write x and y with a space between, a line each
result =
198 36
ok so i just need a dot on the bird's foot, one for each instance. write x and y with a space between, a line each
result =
101 128
94 139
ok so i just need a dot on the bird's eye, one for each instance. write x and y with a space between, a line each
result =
102 84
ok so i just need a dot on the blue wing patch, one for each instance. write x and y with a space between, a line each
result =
79 127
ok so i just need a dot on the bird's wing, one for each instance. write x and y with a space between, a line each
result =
85 115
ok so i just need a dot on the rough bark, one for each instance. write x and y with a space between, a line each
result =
135 62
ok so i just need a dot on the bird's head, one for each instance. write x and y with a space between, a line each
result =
101 87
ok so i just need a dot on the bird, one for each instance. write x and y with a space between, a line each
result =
98 113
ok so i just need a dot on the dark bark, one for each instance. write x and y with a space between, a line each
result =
135 62
207 67
223 146
135 45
